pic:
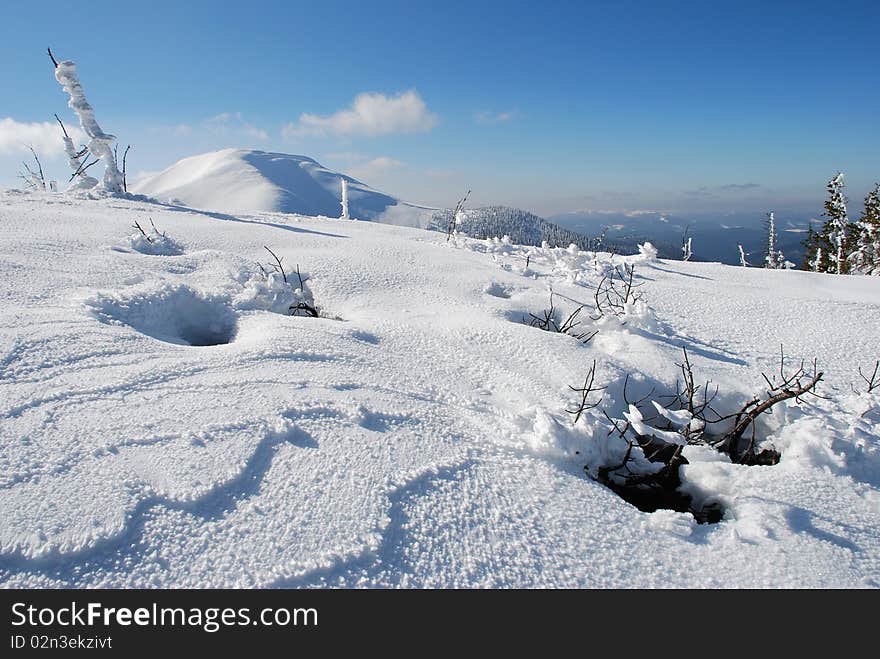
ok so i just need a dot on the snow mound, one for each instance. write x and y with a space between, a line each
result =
174 314
243 180
154 244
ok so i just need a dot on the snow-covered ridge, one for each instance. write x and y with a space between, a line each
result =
164 423
245 180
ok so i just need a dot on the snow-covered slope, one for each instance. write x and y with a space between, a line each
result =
161 425
243 180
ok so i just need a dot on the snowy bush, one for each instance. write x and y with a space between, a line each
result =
273 289
648 253
33 178
154 242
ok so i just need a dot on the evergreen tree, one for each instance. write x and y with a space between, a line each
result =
865 254
816 250
836 229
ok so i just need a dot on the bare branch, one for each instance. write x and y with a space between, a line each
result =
585 392
63 129
873 382
144 233
793 385
82 168
158 233
277 265
39 167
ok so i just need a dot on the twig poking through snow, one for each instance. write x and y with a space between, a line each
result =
277 265
873 382
585 392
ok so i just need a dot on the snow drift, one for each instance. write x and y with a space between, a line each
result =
243 180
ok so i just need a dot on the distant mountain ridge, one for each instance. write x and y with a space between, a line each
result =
522 227
715 236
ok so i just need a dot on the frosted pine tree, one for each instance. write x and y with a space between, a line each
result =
816 250
865 257
837 227
774 259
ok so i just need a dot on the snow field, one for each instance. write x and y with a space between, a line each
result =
163 422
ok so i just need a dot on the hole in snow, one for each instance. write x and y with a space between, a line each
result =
174 314
650 499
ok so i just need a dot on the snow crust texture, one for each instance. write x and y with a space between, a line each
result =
164 422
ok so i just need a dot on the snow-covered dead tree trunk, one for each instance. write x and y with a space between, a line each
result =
99 141
742 257
344 201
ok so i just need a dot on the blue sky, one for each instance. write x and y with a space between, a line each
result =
551 106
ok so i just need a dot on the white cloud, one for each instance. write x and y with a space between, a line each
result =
495 117
370 114
375 167
441 173
223 118
233 123
45 137
346 156
253 131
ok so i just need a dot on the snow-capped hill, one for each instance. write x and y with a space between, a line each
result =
244 180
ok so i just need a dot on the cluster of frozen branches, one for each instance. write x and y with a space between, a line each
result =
655 428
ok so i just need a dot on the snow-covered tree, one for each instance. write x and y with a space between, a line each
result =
774 259
344 201
816 263
742 257
99 141
837 227
77 159
865 255
816 250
